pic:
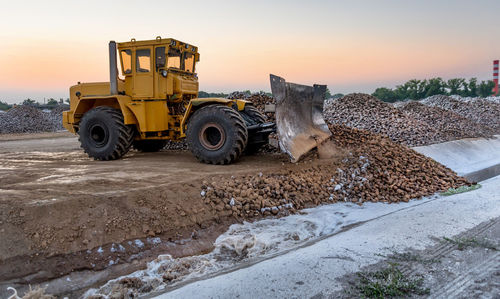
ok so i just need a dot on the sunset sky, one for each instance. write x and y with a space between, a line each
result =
357 45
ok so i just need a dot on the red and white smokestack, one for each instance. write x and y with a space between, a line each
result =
495 77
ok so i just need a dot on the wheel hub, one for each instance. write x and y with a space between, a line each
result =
98 135
212 136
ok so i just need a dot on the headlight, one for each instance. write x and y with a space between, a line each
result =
164 73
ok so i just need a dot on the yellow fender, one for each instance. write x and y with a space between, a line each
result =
71 118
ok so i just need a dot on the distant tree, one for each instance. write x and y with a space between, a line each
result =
472 88
29 102
204 94
4 106
328 94
486 88
402 92
52 102
432 87
415 89
419 89
385 94
338 95
67 100
454 86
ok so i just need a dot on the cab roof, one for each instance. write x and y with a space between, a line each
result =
158 41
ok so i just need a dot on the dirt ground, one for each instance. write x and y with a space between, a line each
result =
61 211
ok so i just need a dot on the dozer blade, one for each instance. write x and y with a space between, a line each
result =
299 116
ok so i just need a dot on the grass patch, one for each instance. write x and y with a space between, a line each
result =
410 257
389 282
463 243
461 189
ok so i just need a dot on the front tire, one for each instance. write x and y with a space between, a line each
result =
253 116
103 134
216 134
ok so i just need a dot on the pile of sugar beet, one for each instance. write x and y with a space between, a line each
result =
365 167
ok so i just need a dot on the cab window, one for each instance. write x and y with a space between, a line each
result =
143 60
174 58
189 62
160 57
126 61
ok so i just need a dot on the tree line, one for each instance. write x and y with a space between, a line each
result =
413 89
51 103
419 89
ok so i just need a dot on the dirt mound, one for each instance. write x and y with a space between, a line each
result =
372 169
480 111
451 125
363 111
28 119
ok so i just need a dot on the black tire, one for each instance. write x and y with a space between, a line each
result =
253 116
149 145
103 135
216 134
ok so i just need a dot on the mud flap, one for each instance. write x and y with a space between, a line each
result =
299 116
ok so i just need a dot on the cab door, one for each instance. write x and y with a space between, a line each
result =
143 74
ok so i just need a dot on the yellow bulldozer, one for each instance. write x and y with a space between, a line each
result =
157 101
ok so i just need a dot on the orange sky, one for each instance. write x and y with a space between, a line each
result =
349 45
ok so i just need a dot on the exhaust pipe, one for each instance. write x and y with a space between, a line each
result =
113 69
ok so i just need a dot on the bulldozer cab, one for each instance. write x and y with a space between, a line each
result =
159 69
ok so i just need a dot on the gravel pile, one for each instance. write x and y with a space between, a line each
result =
473 99
480 111
259 99
176 145
375 169
28 119
493 99
450 125
237 95
363 111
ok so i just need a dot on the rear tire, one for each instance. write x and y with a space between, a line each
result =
216 134
149 145
103 134
253 116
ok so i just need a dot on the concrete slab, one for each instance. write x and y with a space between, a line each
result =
468 157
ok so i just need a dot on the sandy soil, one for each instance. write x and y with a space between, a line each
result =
59 210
